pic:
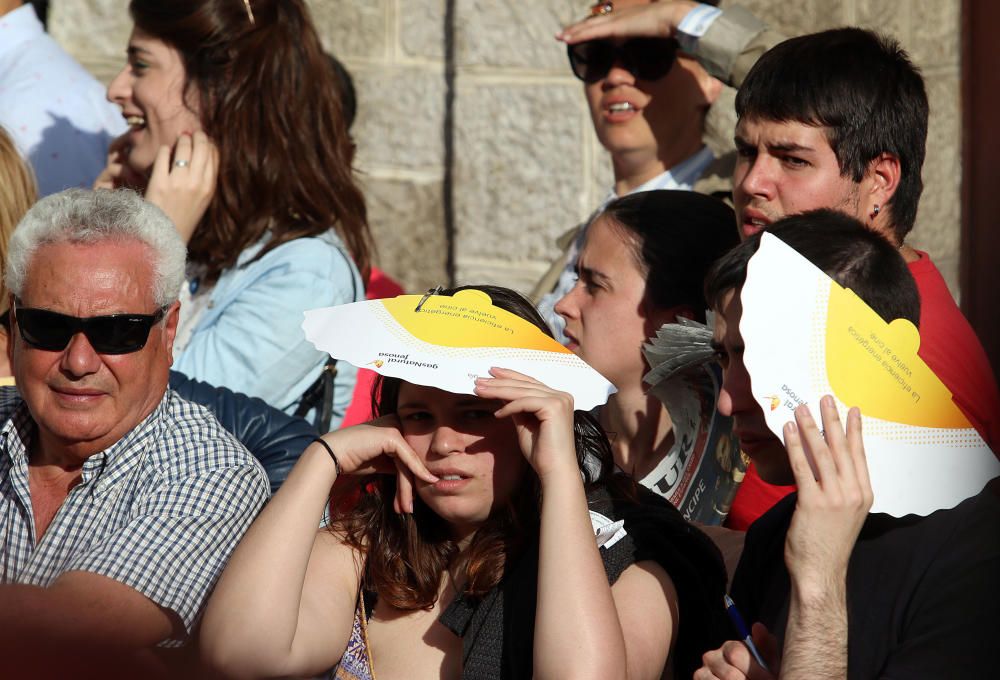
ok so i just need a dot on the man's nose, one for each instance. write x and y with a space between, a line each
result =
618 74
80 358
758 180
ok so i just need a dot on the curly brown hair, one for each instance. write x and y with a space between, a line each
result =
267 97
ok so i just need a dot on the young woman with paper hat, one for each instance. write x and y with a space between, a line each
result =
237 132
488 531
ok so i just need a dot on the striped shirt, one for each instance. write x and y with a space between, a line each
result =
159 511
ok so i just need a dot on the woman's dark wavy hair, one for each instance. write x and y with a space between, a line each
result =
267 97
405 555
675 238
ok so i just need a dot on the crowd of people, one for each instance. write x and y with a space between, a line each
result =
189 488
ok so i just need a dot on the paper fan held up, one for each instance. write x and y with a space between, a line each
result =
447 341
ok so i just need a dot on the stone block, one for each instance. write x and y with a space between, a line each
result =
519 168
602 177
75 23
936 31
400 116
938 227
421 28
796 18
353 28
514 34
720 123
521 276
407 223
885 16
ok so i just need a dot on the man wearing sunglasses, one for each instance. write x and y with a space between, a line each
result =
119 502
649 100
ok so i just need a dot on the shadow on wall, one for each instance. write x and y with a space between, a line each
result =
67 156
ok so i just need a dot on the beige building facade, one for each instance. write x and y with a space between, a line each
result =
475 146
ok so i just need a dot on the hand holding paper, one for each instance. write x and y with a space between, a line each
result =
807 336
834 494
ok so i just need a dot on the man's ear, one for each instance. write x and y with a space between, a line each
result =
884 173
13 332
709 86
170 322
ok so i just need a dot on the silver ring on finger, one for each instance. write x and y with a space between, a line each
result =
181 163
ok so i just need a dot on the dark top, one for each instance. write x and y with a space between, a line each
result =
275 438
923 593
498 631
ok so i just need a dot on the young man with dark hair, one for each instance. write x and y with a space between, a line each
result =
839 119
847 593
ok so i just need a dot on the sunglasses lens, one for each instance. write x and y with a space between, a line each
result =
592 60
44 329
118 334
650 58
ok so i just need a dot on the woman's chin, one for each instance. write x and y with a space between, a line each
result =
139 164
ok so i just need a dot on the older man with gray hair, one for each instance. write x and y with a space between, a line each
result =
120 503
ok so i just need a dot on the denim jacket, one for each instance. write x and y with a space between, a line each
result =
250 337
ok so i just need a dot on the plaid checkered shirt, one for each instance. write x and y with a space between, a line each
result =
159 511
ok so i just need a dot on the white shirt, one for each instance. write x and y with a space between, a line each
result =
55 111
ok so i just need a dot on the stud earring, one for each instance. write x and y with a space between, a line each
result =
875 211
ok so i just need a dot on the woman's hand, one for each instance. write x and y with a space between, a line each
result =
542 415
117 173
656 20
183 183
378 447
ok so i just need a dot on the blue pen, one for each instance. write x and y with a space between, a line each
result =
743 631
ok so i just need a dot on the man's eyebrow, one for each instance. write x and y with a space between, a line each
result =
787 147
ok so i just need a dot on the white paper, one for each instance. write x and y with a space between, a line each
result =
913 469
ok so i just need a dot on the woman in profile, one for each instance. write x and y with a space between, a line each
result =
472 552
236 131
643 265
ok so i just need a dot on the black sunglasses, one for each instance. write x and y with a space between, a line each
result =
112 334
646 58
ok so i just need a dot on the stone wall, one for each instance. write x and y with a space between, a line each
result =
525 162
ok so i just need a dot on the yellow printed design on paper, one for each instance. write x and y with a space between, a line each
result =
467 319
874 366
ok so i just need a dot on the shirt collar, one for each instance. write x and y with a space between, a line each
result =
681 176
108 466
118 460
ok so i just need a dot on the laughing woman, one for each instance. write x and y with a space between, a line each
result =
236 132
471 553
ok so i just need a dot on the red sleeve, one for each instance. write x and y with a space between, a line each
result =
949 346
